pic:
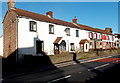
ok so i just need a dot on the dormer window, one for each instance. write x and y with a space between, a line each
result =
51 29
67 30
33 26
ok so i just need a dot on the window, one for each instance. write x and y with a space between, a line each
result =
51 29
33 26
77 33
63 46
108 38
100 36
90 34
72 47
67 30
95 35
112 38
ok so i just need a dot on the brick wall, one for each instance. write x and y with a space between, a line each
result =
10 33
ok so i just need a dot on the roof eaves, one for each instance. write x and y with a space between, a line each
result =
57 21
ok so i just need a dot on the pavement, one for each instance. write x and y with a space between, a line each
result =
82 61
83 71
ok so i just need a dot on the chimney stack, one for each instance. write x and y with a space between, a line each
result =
11 4
74 20
108 30
49 14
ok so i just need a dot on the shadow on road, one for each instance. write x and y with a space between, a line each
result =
30 65
109 75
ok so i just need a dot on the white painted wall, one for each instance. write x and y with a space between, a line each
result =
1 46
26 38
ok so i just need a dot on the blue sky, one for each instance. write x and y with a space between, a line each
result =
94 14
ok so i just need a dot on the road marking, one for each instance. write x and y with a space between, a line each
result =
68 76
64 64
99 66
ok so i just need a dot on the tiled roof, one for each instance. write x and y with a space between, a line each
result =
57 40
44 18
83 41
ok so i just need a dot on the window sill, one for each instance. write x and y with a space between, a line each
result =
51 33
33 31
67 35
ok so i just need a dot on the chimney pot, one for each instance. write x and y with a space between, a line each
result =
49 14
108 30
11 4
74 20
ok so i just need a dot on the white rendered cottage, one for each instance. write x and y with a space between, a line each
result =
28 33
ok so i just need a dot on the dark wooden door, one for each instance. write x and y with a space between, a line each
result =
56 48
39 46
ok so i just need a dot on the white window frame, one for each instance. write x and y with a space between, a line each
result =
67 30
33 26
51 29
72 46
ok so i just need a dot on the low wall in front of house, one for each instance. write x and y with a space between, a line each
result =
64 57
60 58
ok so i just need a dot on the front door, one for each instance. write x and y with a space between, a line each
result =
39 46
56 48
82 47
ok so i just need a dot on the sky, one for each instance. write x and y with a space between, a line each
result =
95 14
64 0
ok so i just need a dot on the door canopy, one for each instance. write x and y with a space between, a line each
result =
58 40
83 41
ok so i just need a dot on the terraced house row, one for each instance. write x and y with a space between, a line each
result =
29 33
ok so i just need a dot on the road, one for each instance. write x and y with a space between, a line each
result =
93 71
